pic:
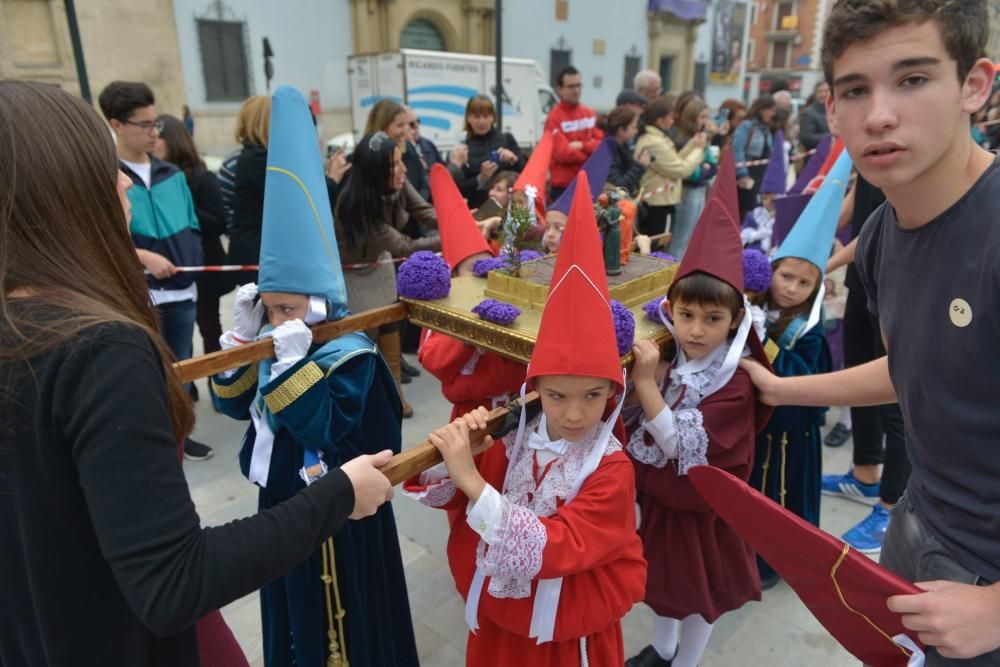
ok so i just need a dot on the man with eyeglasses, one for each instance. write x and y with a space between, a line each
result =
164 227
574 129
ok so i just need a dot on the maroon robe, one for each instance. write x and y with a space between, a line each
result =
697 563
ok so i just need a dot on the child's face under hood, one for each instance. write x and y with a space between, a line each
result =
700 328
794 281
282 307
573 404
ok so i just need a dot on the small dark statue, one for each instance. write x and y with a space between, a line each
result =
608 223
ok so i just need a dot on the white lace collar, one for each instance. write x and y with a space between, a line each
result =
519 485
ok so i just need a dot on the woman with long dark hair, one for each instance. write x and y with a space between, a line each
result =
626 169
102 556
176 145
753 141
375 204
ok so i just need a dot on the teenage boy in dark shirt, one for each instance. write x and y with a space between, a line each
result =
906 75
164 227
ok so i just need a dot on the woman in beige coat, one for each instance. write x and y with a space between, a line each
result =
668 168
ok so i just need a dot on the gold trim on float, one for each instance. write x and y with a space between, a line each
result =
453 316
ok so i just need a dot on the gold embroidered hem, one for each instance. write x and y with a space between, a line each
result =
246 382
292 388
337 641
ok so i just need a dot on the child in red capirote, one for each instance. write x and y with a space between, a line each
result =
470 376
543 545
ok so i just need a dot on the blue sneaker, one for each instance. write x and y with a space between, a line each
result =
846 486
867 536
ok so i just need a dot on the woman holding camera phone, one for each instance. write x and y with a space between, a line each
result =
485 151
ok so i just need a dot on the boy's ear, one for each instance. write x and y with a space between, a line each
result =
978 86
736 320
831 110
666 305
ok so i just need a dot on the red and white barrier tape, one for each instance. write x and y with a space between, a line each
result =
223 268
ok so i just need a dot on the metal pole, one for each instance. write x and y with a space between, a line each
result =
745 49
74 36
498 30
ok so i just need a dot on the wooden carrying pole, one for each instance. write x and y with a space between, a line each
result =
216 362
404 465
420 457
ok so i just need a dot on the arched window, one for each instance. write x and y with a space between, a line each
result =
421 34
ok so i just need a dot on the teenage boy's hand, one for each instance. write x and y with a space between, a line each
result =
156 264
959 620
453 443
765 381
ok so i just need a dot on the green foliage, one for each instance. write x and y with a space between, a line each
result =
514 231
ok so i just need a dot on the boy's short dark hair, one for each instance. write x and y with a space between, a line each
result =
964 26
120 98
565 72
704 289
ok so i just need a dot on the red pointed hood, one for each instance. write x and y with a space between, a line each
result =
460 235
715 247
577 332
844 589
536 172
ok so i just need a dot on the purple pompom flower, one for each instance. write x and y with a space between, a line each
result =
424 276
624 326
483 266
529 255
663 255
652 309
497 312
756 271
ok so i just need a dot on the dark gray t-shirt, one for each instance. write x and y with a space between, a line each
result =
936 290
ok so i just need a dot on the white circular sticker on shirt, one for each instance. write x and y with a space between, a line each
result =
960 313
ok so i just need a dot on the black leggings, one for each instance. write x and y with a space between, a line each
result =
863 343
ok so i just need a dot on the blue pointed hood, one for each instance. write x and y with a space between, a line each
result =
811 238
298 249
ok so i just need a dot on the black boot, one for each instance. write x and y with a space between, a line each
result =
648 657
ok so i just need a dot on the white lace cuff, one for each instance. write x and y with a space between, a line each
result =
515 557
664 432
692 440
437 491
649 454
484 516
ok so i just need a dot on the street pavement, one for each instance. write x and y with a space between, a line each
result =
778 631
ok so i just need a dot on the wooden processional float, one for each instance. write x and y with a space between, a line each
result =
643 278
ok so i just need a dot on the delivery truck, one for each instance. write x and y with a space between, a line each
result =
437 85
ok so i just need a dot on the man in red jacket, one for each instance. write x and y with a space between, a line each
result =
574 129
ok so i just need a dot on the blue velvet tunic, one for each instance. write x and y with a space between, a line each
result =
341 401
